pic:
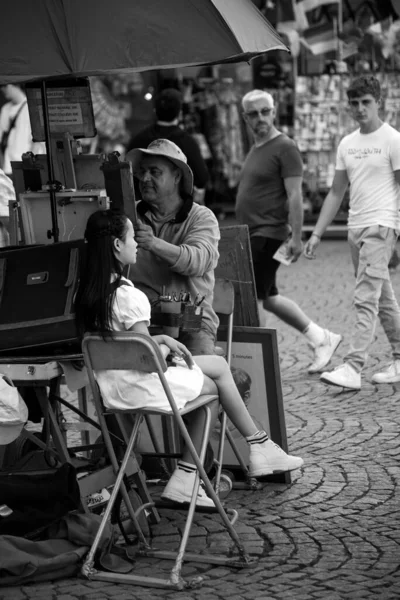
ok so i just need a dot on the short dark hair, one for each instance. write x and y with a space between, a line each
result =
242 380
365 84
168 104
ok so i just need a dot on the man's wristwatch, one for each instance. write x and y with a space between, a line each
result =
316 235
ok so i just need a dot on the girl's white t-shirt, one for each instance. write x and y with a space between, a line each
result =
122 389
370 161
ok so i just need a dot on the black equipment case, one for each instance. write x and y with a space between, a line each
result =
37 290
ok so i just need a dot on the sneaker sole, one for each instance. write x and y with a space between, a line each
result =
183 500
346 387
392 380
262 473
312 371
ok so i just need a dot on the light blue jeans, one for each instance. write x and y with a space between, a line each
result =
371 250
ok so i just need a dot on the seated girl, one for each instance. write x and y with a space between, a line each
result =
101 307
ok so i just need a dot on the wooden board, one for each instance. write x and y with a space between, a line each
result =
235 263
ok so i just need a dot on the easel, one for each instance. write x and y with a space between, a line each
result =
72 184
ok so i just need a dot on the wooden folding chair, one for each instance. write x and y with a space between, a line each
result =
139 352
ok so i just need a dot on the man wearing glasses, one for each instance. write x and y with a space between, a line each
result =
368 159
269 201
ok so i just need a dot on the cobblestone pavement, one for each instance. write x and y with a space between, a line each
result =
334 533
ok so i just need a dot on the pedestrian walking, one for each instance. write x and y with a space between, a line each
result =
368 159
269 201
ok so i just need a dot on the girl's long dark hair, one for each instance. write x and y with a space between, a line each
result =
95 295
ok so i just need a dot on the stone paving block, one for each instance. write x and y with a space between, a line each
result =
334 532
98 584
12 593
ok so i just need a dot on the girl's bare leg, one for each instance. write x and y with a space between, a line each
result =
195 422
218 379
216 368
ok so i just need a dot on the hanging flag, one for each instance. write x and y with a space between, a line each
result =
285 16
300 14
349 49
320 39
287 25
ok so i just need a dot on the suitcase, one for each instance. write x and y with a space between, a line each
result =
37 290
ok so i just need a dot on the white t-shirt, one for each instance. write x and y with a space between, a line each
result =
122 389
370 161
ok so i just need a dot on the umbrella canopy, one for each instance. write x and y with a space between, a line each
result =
56 38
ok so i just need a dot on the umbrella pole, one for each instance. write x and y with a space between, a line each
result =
53 202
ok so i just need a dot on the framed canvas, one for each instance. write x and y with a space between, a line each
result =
255 367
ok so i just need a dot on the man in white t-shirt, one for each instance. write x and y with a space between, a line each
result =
368 159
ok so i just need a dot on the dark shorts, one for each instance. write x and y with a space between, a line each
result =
265 267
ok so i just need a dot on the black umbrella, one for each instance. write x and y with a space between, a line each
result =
60 38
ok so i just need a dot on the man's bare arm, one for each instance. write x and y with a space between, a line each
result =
328 211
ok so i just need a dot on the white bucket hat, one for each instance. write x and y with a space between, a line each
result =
167 149
13 411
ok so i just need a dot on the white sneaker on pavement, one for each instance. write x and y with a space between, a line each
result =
389 375
324 352
268 458
180 488
343 376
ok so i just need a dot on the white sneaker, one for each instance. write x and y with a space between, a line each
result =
180 488
324 352
390 375
343 376
268 458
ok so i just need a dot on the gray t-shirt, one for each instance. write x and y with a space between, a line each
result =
261 201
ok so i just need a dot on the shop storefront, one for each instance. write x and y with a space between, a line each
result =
343 39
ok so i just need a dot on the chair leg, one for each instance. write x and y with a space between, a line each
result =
250 483
236 452
139 478
87 568
175 576
220 454
177 568
208 486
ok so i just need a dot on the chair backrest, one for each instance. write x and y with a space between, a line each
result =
124 350
224 297
224 304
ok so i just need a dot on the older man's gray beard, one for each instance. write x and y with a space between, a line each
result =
262 130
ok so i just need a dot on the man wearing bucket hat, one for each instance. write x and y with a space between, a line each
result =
177 238
168 107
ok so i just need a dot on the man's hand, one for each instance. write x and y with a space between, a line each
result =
311 246
144 236
295 248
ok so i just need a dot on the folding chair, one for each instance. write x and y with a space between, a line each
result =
224 306
139 352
